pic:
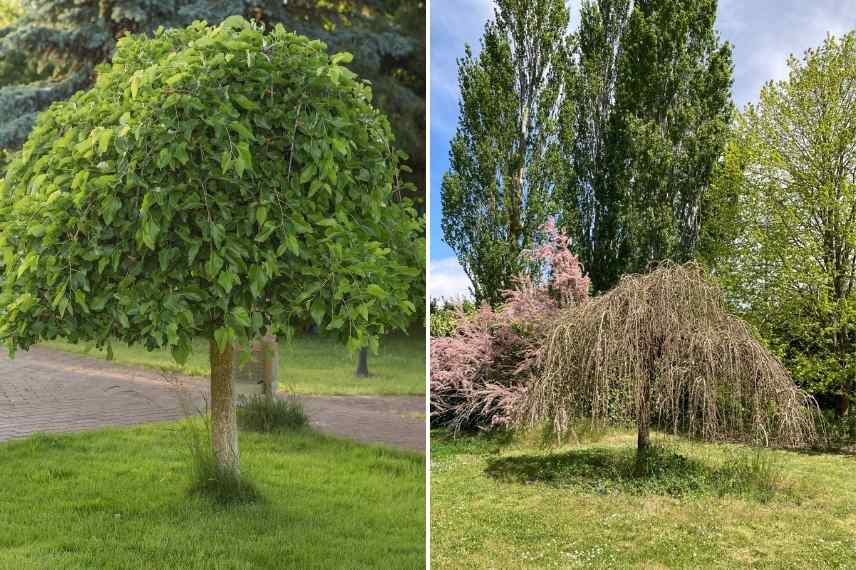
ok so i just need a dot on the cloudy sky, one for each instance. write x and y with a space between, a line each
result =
763 33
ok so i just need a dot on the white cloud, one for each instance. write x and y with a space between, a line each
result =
448 280
765 32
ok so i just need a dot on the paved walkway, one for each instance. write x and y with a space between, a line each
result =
45 390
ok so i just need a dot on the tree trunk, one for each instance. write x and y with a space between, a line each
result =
270 357
363 363
643 420
642 427
224 421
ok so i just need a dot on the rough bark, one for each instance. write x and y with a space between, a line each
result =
224 421
363 363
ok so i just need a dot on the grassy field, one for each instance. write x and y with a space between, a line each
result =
118 498
504 503
307 365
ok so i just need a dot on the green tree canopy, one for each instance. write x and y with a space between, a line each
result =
49 50
505 160
782 230
647 119
216 182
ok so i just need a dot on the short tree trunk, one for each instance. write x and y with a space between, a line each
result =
363 363
642 432
224 420
643 423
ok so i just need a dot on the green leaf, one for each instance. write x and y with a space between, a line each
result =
376 291
342 57
261 215
213 265
246 156
317 311
363 310
308 173
242 130
180 352
104 140
226 280
135 84
175 78
223 336
245 103
235 22
293 244
241 316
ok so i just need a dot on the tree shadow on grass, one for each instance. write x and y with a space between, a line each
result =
612 471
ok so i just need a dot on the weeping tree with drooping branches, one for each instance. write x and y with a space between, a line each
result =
217 182
662 348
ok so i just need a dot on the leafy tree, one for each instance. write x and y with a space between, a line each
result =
585 125
505 160
782 222
387 38
9 12
56 44
651 106
662 347
216 182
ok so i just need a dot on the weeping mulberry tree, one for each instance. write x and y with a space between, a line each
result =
216 182
661 347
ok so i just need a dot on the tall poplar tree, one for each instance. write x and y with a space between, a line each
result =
505 156
652 105
589 197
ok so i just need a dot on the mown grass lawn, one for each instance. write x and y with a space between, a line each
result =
118 498
503 503
307 364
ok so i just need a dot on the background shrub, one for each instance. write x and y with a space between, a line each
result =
265 414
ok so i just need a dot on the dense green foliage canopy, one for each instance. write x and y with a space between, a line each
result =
646 120
783 237
49 50
504 158
214 182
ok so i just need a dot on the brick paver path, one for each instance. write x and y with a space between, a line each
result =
45 390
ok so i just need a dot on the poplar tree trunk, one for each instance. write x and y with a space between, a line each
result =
363 363
224 419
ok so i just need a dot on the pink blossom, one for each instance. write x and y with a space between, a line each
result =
480 372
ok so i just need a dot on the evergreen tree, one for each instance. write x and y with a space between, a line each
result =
505 159
652 105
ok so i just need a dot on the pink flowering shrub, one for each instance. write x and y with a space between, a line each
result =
480 372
